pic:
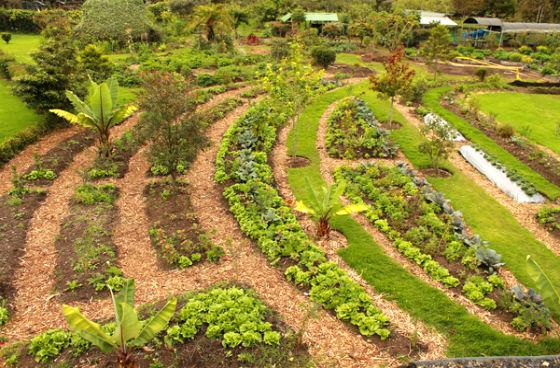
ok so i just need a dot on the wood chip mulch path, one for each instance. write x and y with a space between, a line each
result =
35 309
524 213
25 159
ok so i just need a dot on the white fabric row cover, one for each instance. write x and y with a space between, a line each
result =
455 135
497 176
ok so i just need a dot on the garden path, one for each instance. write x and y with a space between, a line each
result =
34 305
25 159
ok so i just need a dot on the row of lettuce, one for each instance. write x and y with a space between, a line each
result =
230 314
242 166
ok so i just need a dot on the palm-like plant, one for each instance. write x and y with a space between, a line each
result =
544 285
214 19
129 330
98 112
325 204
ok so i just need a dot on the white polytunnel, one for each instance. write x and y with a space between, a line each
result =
497 176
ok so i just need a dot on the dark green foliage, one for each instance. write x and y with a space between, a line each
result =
280 49
116 20
481 73
183 7
55 71
323 56
175 130
13 145
18 20
95 64
7 37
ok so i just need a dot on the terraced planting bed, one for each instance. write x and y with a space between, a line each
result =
368 258
205 188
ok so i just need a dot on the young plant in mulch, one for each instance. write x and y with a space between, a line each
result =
175 131
325 204
224 326
116 165
437 146
26 196
353 132
99 111
175 231
86 256
426 229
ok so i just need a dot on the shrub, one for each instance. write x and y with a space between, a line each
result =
118 20
7 37
18 20
182 7
280 49
97 65
323 56
481 73
505 130
55 71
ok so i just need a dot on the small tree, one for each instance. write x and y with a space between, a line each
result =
439 142
99 112
175 130
97 65
214 20
55 70
323 56
7 37
325 204
129 330
396 79
437 47
297 18
291 85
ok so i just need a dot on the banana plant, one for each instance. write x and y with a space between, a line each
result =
544 286
129 331
325 204
99 112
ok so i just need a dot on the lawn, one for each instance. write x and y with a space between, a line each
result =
14 113
22 46
535 116
467 335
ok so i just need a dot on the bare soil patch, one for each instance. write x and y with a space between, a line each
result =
437 172
298 161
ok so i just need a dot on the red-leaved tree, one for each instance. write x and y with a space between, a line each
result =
396 79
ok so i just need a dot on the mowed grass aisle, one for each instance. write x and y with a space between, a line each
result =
15 115
467 335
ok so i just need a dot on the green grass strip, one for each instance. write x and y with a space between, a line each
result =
15 115
432 102
466 334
